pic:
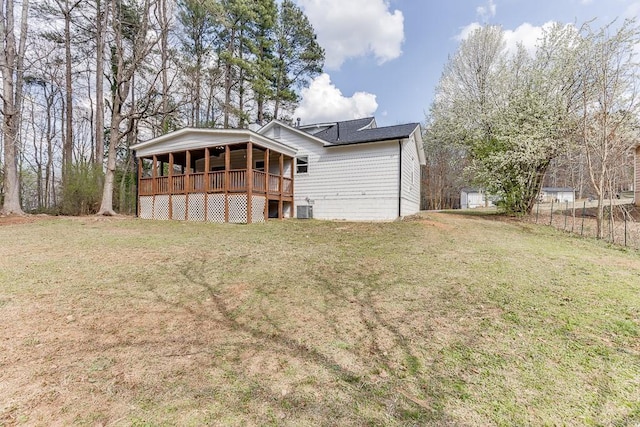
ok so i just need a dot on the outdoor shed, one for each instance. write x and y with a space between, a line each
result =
471 198
557 194
214 175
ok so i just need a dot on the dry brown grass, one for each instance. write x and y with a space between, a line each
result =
443 320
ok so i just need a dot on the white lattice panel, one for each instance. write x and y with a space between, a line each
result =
238 208
146 207
257 208
215 207
179 207
196 207
161 208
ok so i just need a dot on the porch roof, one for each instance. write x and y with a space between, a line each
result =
196 138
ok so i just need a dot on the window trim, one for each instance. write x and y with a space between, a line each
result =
304 165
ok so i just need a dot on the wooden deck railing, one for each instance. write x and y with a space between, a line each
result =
214 182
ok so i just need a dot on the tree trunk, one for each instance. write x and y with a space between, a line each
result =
12 65
67 152
101 19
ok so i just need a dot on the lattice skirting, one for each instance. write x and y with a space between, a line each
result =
196 211
237 208
202 207
161 208
146 207
179 207
215 207
257 208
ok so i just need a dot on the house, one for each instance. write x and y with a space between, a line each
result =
471 198
355 170
351 170
557 195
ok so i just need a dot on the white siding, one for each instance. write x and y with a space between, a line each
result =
358 182
410 178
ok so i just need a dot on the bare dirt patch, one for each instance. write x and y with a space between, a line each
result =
19 219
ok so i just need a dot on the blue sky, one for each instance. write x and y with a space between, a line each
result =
385 58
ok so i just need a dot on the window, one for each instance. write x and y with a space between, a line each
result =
302 164
259 165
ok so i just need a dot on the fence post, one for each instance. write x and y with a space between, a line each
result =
609 224
625 228
566 212
551 220
584 211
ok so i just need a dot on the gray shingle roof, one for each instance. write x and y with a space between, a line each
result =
352 132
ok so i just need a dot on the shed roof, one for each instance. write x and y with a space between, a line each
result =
557 189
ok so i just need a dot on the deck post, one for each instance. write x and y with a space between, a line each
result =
280 185
154 175
206 182
187 183
249 179
293 165
267 153
139 181
206 170
170 183
227 166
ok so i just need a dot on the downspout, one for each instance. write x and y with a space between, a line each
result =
400 179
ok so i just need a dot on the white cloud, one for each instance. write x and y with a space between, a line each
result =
488 11
466 32
526 34
322 101
353 28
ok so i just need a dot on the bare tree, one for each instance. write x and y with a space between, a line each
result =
608 103
134 40
12 64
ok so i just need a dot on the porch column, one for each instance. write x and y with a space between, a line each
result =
186 170
227 166
140 161
266 179
249 179
170 183
293 199
206 170
154 175
280 186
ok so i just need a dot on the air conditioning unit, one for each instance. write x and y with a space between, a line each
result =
305 212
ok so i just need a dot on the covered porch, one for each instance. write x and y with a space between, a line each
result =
214 175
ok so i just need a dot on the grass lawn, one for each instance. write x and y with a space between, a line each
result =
448 320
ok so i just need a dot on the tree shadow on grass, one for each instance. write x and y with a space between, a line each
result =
381 383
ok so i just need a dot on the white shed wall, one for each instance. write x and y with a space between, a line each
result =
350 182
